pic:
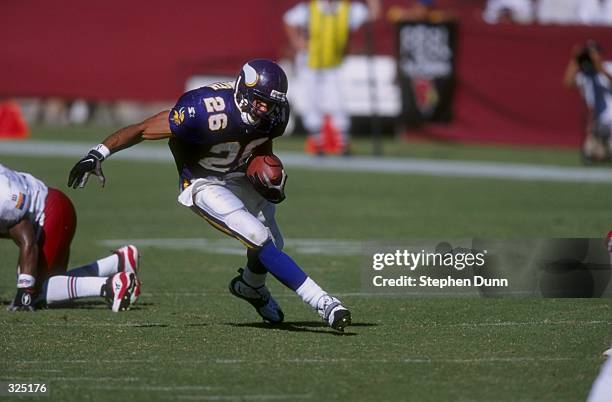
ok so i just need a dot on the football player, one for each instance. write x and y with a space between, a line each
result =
42 221
213 131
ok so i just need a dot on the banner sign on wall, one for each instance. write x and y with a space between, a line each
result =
426 71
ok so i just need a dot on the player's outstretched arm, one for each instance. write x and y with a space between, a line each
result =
23 235
572 69
155 127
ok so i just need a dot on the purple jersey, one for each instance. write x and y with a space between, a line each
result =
209 135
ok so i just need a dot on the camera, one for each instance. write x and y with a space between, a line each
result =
583 58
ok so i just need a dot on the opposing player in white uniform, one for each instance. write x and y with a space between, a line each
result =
601 391
213 131
42 222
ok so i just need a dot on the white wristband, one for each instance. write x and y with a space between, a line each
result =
25 281
102 149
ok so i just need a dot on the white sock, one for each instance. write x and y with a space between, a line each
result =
62 288
310 292
108 266
253 279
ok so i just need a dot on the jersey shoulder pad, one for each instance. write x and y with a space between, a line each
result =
185 117
13 202
217 86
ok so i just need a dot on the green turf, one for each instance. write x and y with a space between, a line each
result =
363 146
188 339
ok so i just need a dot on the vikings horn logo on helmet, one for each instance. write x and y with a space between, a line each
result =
250 75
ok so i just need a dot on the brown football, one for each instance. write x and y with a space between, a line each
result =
266 165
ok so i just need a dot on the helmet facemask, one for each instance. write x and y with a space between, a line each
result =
262 84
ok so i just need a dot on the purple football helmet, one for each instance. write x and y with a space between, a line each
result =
261 80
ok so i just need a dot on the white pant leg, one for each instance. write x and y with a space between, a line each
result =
258 206
218 205
334 98
602 387
312 89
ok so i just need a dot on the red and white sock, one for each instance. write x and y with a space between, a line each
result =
62 288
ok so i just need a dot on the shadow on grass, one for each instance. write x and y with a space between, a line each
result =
90 304
81 304
303 326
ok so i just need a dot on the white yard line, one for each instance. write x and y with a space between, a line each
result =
445 168
227 246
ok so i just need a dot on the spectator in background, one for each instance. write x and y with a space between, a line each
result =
557 11
594 12
508 11
583 12
319 31
585 71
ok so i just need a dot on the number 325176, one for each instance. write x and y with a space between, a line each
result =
26 388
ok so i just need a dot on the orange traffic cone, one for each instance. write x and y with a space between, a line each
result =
12 124
333 143
312 146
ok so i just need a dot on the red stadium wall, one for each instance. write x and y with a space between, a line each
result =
510 87
509 77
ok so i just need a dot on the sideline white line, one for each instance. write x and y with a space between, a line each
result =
446 168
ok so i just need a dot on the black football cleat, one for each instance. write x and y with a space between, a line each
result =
334 313
259 298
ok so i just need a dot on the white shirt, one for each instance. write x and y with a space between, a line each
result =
557 11
299 15
585 85
21 195
586 12
589 12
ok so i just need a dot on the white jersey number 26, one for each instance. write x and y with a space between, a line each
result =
228 155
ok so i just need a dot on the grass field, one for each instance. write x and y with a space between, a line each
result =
188 339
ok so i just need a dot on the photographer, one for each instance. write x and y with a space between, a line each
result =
586 72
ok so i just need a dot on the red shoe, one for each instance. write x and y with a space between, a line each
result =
128 259
119 290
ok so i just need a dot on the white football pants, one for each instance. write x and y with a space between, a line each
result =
233 206
321 88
